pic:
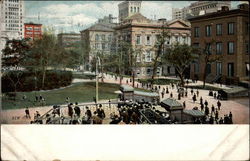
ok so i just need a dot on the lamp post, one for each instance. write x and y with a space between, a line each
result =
98 62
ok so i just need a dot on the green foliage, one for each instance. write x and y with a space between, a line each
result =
29 80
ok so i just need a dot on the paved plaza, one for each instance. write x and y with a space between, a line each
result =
238 107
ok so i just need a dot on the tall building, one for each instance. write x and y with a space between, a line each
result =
128 8
11 20
32 30
224 33
198 8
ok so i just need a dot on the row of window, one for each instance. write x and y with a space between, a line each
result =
102 37
208 30
13 0
12 13
204 7
12 21
131 9
102 46
219 48
13 17
148 39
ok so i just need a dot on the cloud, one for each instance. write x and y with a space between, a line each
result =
65 15
159 9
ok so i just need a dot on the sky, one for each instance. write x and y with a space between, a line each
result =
74 16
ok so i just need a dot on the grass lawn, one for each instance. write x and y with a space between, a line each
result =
160 81
78 92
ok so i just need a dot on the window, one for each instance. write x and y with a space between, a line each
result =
218 48
103 46
230 69
134 9
138 58
96 45
184 40
196 45
148 71
138 39
247 48
209 48
103 37
109 37
148 56
196 32
208 30
230 48
131 9
230 28
96 37
176 38
148 40
218 68
247 69
208 71
218 29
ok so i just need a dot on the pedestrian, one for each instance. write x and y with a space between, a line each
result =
186 93
40 98
201 100
230 117
36 98
206 110
213 108
70 111
202 107
77 110
171 95
127 81
197 92
167 90
172 85
211 120
216 115
192 91
162 94
27 113
88 113
206 103
215 95
24 97
221 121
218 104
179 96
184 104
67 100
194 98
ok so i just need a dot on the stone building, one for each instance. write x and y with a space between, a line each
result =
97 38
198 8
128 8
65 39
142 33
11 21
225 33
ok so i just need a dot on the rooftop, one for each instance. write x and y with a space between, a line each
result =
172 104
149 94
194 113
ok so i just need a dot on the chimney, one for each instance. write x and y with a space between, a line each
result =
224 8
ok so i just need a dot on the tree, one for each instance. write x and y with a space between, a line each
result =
207 57
159 50
180 56
43 53
13 57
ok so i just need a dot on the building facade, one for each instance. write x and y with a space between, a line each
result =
198 8
142 33
66 39
128 8
32 31
11 20
97 39
224 33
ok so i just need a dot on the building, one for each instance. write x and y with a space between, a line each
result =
67 39
11 20
142 33
98 38
128 8
32 31
224 33
198 8
182 13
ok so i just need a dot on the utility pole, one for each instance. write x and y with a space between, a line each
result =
97 77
